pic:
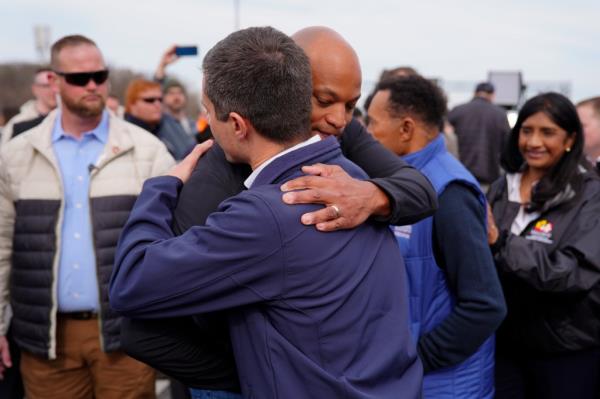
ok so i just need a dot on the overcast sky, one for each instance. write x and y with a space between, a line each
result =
452 40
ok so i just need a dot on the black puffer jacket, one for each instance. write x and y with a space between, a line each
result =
32 279
550 273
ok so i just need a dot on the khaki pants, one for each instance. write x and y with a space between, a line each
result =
82 371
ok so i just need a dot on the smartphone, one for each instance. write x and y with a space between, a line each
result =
186 50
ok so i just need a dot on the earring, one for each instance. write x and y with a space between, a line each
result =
568 149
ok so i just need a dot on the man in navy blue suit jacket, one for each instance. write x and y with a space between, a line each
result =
311 314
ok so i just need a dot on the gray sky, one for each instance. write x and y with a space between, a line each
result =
451 40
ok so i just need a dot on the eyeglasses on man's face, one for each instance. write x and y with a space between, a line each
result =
83 78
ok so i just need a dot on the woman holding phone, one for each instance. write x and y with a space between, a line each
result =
545 236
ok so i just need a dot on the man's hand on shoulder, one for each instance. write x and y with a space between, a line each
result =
183 170
349 202
5 360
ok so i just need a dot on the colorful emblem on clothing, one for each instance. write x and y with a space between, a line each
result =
542 232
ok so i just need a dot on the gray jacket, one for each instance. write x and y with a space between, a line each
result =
481 128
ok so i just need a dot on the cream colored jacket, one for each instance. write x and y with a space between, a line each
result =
29 170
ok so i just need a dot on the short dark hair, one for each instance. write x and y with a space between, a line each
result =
264 76
593 102
170 83
401 71
566 171
67 41
485 87
417 96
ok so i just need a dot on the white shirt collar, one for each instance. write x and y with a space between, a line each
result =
250 180
514 186
523 218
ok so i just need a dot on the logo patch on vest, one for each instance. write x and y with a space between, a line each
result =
402 231
542 232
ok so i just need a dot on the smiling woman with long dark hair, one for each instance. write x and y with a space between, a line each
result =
547 250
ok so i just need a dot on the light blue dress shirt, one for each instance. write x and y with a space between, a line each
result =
77 280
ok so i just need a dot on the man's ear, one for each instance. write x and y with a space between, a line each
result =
241 126
53 82
407 129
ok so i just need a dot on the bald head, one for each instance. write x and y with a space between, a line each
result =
336 78
325 46
315 39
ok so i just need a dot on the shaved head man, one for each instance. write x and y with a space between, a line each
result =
395 193
341 310
336 78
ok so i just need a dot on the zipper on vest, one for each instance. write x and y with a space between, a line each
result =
99 285
93 173
55 264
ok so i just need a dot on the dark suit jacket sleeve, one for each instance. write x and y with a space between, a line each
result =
461 249
411 195
203 270
212 182
197 358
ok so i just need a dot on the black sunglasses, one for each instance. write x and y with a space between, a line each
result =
150 100
83 78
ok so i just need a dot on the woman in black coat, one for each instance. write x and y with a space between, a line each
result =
546 244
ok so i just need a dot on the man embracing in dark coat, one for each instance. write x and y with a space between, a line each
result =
329 323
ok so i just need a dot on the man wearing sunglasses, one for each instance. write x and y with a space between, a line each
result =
66 188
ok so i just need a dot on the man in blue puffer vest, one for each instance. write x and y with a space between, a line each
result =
455 297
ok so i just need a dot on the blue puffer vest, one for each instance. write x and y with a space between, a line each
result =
431 301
